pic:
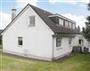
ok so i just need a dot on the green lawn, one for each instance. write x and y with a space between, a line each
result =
78 62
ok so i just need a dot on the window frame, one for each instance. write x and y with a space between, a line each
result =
80 41
66 23
31 21
70 41
58 41
20 41
61 21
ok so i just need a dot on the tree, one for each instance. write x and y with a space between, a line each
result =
86 30
89 6
0 40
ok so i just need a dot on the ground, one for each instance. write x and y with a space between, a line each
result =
77 62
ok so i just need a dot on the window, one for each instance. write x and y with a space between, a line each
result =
31 20
20 41
58 42
61 22
66 23
70 40
70 24
74 26
80 41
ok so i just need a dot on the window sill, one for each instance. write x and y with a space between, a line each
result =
20 46
58 48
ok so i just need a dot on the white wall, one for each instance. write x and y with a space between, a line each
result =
75 42
89 46
64 49
37 41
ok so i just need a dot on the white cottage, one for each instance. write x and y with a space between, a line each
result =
80 43
36 33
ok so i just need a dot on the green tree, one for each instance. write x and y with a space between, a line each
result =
89 6
86 30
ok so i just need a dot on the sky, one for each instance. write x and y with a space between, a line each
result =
73 9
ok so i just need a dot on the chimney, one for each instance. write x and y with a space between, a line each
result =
13 13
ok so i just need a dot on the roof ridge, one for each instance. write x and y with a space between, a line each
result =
41 9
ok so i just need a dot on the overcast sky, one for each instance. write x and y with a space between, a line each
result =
73 9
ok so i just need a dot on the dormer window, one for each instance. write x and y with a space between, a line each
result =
69 24
61 21
74 26
31 20
66 23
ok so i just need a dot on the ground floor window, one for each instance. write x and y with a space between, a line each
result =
70 40
80 41
58 42
20 41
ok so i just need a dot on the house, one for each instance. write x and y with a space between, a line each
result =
0 37
80 44
39 34
0 31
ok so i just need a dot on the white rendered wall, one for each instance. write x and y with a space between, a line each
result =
64 49
37 41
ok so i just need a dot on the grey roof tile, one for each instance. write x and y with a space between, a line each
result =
57 29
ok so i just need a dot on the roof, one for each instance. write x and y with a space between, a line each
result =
45 17
0 32
57 29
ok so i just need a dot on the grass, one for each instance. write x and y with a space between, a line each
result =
78 62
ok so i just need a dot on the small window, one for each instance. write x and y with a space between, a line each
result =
31 20
74 26
70 40
70 24
80 41
20 41
61 22
58 42
66 23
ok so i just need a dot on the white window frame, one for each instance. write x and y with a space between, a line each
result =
74 26
58 41
20 41
66 23
61 21
31 21
70 24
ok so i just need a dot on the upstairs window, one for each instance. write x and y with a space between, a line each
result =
70 24
20 41
66 23
58 42
74 26
31 20
61 22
